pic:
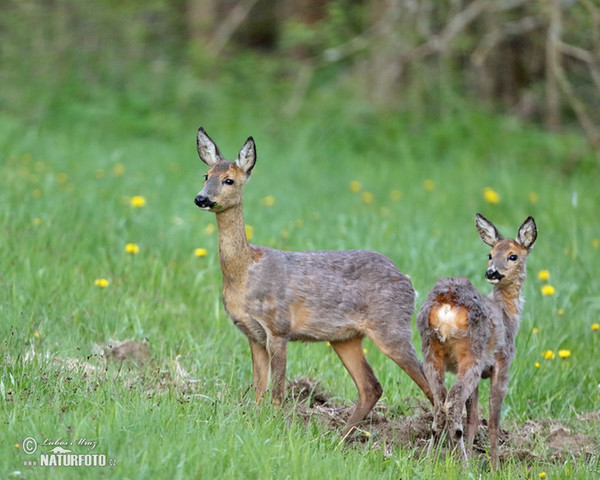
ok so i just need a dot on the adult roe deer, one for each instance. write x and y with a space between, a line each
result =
275 296
473 335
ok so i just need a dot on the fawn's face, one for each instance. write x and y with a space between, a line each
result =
222 187
224 181
506 261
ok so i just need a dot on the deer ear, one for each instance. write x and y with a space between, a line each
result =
487 231
527 233
247 156
207 150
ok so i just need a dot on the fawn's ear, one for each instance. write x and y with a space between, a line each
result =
527 233
207 150
487 231
247 156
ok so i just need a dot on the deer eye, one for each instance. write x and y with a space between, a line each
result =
489 256
513 258
206 177
228 181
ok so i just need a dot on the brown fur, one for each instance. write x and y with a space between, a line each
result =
473 335
275 297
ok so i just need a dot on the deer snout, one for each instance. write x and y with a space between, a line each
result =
204 202
493 276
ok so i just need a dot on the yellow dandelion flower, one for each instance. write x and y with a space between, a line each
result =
535 330
249 232
367 434
200 252
367 198
328 344
17 446
544 275
36 334
491 196
285 234
365 351
118 169
37 221
138 201
101 282
596 243
132 248
429 185
548 290
560 312
533 197
564 353
268 201
537 364
549 355
210 229
396 195
355 186
542 475
595 326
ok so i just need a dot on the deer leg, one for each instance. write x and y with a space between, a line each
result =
277 348
472 420
260 369
369 389
498 390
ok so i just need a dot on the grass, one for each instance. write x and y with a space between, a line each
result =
66 217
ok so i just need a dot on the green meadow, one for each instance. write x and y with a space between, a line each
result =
83 177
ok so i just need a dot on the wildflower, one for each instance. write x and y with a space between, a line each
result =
490 195
542 474
549 355
138 201
395 195
355 186
429 185
249 232
299 223
537 364
595 326
36 334
544 275
548 290
533 197
365 351
328 344
37 221
118 169
132 248
596 243
268 201
17 446
101 282
564 353
367 198
210 229
535 330
200 252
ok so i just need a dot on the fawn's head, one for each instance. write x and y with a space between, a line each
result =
506 264
224 181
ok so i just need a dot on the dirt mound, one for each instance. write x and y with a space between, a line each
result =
544 439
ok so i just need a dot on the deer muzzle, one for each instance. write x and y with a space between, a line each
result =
204 202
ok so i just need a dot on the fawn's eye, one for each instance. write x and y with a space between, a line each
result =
513 258
206 177
228 181
489 256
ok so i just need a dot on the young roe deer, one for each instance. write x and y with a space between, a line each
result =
473 335
275 296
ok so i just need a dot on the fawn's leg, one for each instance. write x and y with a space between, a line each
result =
369 389
472 420
498 390
434 368
260 368
277 348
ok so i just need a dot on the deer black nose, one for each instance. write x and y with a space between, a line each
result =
203 202
493 275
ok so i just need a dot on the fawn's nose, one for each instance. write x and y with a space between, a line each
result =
203 202
493 274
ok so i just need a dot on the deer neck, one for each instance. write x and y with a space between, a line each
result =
509 298
234 250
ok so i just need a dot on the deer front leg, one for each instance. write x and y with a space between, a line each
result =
369 389
498 390
260 369
277 348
